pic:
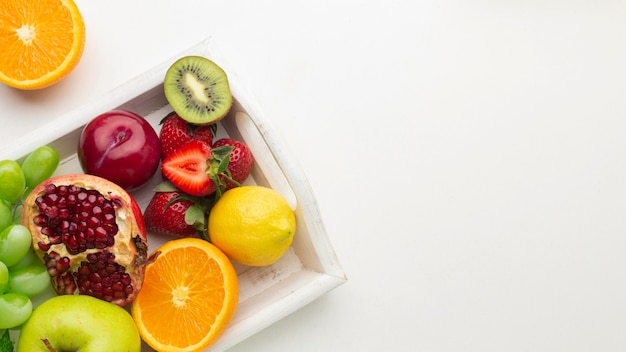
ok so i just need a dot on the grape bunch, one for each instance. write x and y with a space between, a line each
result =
22 274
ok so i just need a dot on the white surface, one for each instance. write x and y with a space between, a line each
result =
468 157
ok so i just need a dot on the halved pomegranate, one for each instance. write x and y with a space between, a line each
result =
90 234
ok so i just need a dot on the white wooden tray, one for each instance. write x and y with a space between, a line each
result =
308 270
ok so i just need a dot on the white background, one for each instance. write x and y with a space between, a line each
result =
468 157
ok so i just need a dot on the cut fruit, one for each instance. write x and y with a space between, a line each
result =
90 234
198 90
41 42
189 296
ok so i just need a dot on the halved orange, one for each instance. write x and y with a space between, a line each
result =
189 296
41 41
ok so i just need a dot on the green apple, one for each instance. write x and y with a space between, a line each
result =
79 323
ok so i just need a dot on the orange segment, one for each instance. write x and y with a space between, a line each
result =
189 296
41 41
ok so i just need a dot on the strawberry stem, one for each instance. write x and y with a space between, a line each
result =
218 169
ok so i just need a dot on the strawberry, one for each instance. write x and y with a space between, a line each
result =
176 132
197 169
173 213
186 168
240 161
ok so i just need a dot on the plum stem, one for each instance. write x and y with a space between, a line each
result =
48 345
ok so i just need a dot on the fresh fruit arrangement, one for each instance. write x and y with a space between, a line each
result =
85 236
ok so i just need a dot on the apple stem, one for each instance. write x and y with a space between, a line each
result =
48 345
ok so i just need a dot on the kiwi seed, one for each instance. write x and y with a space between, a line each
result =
198 90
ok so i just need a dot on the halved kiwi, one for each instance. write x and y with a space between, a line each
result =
198 90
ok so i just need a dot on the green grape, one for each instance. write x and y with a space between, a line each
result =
15 309
28 259
30 280
39 165
14 244
4 277
12 181
6 217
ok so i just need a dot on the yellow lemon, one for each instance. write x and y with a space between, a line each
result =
252 225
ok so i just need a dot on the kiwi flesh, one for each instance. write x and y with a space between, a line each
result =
198 90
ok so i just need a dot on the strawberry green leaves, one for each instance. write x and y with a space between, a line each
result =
218 170
175 213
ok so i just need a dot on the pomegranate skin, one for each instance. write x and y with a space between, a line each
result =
90 234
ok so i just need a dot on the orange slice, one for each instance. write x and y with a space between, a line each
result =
189 296
41 41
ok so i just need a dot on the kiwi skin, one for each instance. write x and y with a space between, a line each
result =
198 90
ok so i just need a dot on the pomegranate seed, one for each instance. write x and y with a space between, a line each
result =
40 220
43 246
64 213
99 276
65 283
55 239
51 198
63 264
95 277
70 214
51 212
